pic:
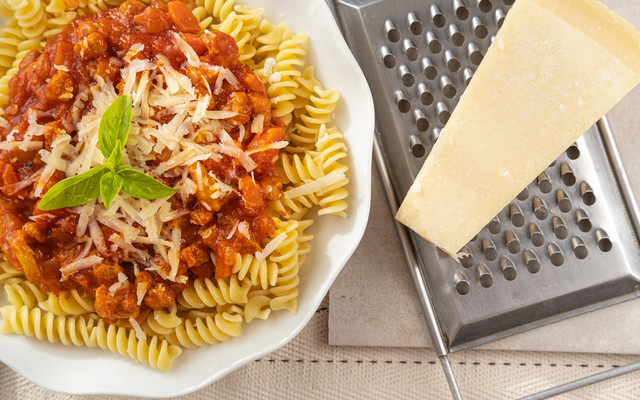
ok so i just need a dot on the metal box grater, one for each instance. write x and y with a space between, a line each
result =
566 245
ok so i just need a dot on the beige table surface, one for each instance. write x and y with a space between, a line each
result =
309 368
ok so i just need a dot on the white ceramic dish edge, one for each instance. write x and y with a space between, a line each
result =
72 370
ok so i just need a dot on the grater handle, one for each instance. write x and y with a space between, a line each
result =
417 275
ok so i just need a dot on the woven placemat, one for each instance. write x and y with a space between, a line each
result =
308 368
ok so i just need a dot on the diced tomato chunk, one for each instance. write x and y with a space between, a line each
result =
182 17
153 20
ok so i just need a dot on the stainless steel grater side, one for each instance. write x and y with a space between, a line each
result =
566 245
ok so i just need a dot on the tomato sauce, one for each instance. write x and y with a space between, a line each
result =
91 50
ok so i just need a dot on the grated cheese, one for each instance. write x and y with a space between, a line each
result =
258 124
34 129
140 335
271 246
315 185
79 265
233 230
271 146
154 86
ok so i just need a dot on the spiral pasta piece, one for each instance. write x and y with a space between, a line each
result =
292 209
298 170
156 352
31 17
47 326
10 38
258 272
219 9
24 293
322 103
208 330
162 322
306 85
285 291
67 303
304 239
4 87
209 293
8 273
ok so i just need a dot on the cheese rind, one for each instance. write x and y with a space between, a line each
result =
555 68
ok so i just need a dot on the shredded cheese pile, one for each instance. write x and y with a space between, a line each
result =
154 86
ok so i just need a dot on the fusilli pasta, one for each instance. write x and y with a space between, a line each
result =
208 310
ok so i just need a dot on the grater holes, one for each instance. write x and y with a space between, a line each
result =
426 97
544 182
583 220
429 70
406 76
567 175
484 5
453 64
508 269
447 87
531 261
494 225
539 208
460 9
512 242
456 36
393 34
563 200
499 16
435 134
588 197
489 249
573 152
410 49
479 28
515 213
484 276
434 44
420 120
388 59
467 74
437 16
415 26
555 254
465 257
559 228
535 235
474 53
604 243
579 248
402 102
461 283
416 146
523 195
443 112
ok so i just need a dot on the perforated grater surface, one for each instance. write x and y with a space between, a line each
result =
565 245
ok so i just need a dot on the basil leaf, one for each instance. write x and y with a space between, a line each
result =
110 185
115 125
74 191
137 184
115 161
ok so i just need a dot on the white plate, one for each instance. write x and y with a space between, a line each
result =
73 370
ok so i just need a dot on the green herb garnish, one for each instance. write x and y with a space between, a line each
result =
108 179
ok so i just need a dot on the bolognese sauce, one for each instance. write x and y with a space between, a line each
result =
214 226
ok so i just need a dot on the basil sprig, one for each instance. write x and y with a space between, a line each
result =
108 179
